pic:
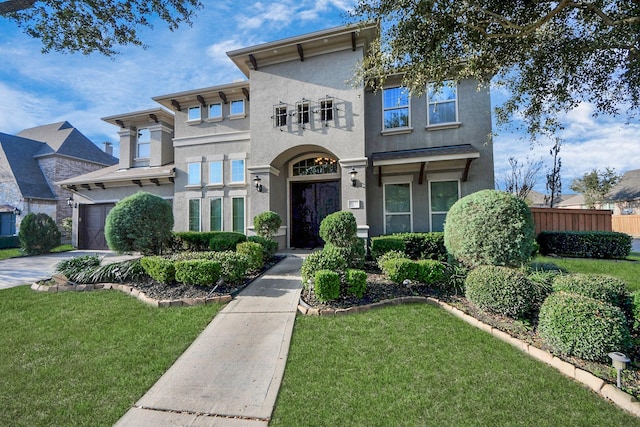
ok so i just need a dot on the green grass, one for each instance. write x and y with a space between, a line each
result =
74 359
16 252
627 270
418 365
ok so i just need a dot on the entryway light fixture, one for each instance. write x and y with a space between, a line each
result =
17 211
257 183
619 362
353 172
70 201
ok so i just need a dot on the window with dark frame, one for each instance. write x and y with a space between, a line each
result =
303 112
280 116
326 110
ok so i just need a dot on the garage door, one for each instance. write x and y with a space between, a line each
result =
91 226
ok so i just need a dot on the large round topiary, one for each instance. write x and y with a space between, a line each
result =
38 234
490 228
141 222
576 325
339 229
501 290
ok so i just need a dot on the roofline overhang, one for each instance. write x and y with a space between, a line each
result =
426 159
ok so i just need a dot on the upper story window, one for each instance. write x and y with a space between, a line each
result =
443 103
193 170
143 148
280 115
215 110
237 171
326 110
395 111
302 112
194 113
237 107
215 172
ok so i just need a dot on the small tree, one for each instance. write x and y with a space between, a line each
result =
595 185
267 224
522 177
38 234
554 182
141 222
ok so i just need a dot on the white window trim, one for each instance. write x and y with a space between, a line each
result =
400 129
431 213
199 213
237 115
244 172
276 115
221 182
194 121
221 198
244 218
323 110
397 180
447 125
300 107
214 118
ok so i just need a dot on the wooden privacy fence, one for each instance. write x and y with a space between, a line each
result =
552 219
629 224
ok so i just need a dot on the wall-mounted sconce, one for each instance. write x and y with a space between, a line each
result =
17 211
353 172
70 202
257 183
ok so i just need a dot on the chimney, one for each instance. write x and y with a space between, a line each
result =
108 148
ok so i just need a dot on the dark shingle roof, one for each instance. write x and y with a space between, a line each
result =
63 139
20 154
628 188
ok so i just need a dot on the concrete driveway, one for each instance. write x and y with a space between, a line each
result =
26 270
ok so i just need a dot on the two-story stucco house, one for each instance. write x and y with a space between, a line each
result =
298 138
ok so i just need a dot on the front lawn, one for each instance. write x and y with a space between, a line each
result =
17 252
85 358
418 365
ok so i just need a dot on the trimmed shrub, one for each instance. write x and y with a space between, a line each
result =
425 245
233 266
141 223
500 290
382 259
339 229
327 285
576 325
430 271
603 288
585 244
226 240
353 255
254 253
635 297
269 247
193 241
356 282
383 244
400 269
542 282
489 228
267 224
321 260
197 272
159 268
38 234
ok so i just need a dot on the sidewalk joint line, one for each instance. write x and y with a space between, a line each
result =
206 414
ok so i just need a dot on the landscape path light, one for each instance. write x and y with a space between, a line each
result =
619 362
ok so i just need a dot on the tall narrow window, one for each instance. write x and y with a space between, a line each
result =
215 173
215 213
194 113
303 112
237 107
194 214
215 110
237 204
397 208
443 195
280 115
143 150
442 103
395 107
195 177
237 171
326 110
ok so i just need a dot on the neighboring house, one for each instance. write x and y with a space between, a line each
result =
624 197
30 164
300 139
535 199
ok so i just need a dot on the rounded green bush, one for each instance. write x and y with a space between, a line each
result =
500 290
38 234
576 325
393 254
400 269
267 224
326 285
254 253
197 272
430 271
490 228
161 269
339 229
354 254
596 286
269 246
141 222
356 282
321 260
233 266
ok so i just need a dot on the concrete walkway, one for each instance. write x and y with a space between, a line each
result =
231 374
26 270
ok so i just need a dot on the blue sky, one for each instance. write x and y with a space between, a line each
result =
38 89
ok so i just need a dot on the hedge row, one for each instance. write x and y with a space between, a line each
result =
414 245
200 241
585 244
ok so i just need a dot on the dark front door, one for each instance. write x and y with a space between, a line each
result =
311 202
91 226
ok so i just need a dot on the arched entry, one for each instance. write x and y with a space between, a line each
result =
314 188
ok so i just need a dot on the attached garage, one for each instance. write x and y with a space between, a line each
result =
91 221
